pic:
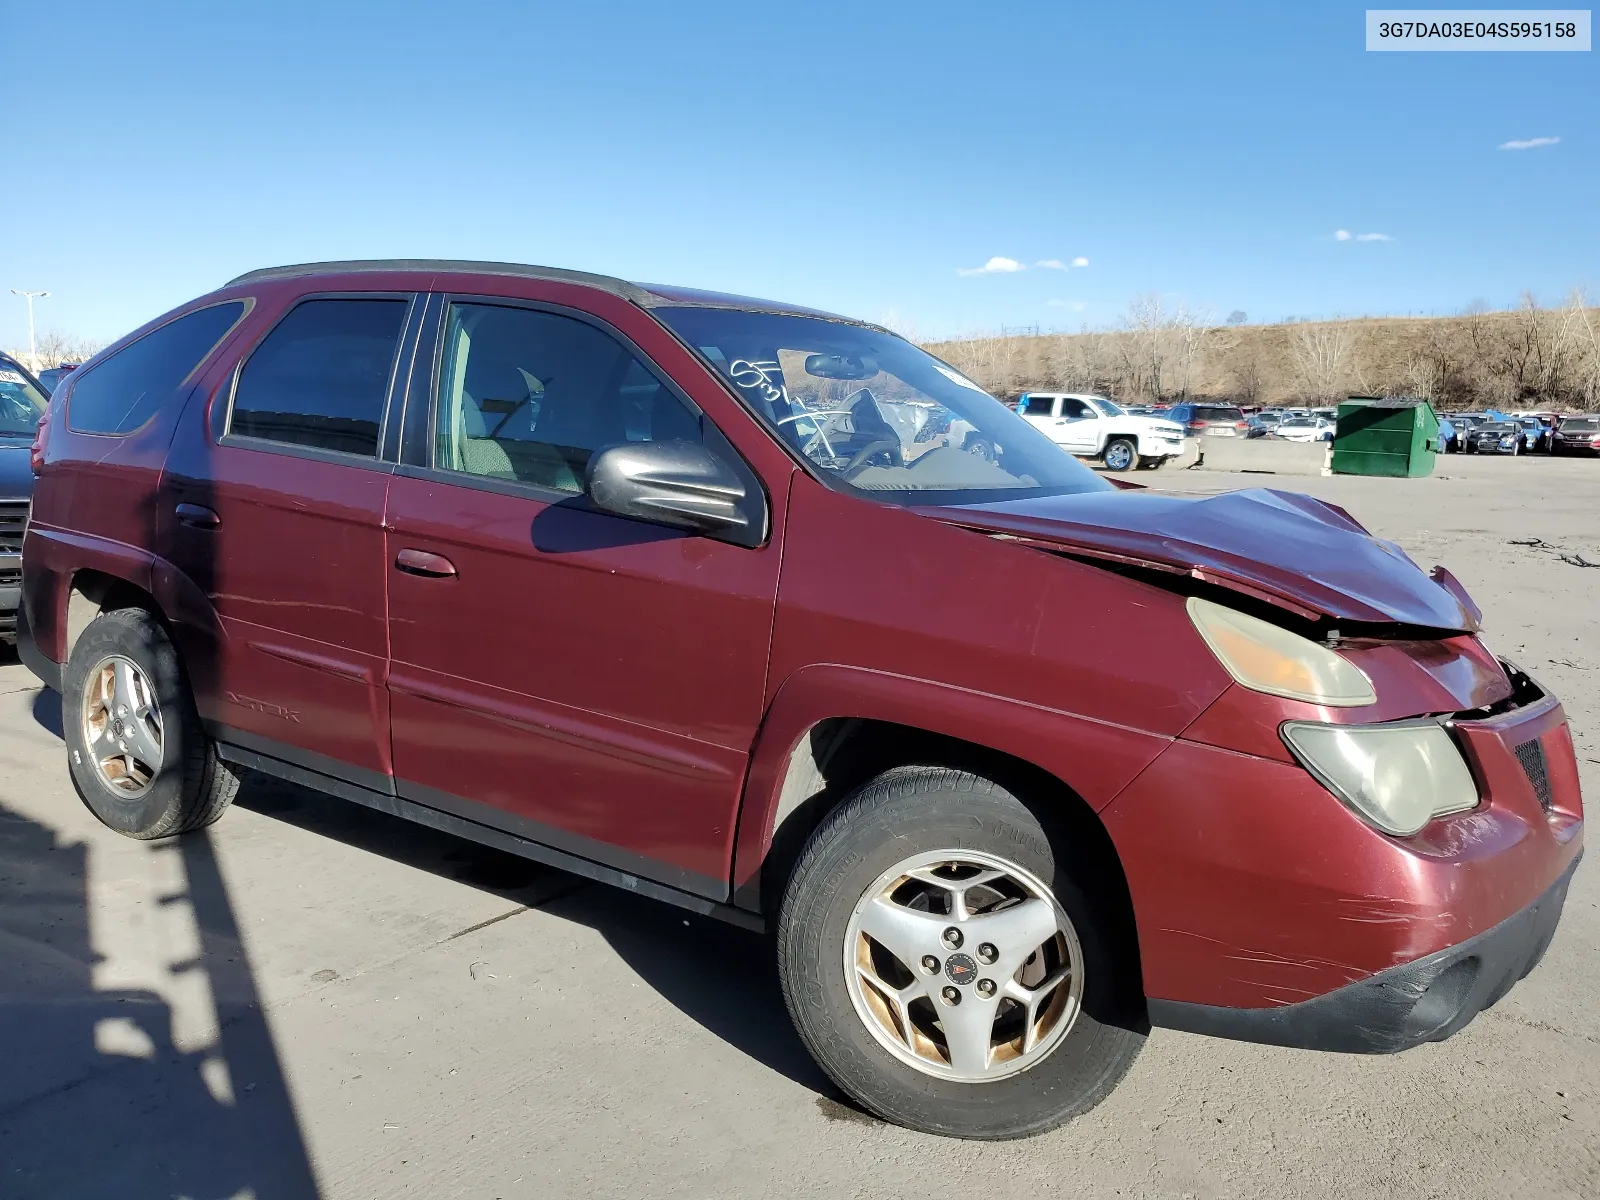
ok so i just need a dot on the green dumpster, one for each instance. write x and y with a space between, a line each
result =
1396 435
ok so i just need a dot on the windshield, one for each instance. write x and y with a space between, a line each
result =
1106 407
1580 426
874 414
21 404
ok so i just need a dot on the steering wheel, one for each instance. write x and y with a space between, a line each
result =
862 458
822 430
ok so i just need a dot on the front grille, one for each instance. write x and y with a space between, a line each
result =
1531 755
13 517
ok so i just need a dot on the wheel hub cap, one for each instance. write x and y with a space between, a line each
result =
122 727
963 1016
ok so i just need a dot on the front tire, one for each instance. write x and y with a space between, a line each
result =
138 756
1120 454
1018 1009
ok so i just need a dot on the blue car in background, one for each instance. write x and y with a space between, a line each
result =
22 403
1449 439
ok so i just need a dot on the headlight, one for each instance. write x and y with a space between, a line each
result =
1397 777
1265 658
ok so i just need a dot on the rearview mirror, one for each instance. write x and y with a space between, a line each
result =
681 484
841 366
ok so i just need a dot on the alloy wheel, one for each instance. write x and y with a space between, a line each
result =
122 727
963 965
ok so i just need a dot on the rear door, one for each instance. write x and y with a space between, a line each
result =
272 510
586 681
1040 412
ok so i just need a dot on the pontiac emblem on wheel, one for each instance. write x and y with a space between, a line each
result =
960 968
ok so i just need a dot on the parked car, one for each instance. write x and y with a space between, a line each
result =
1497 437
1095 427
1577 435
1012 761
1210 420
1263 423
1535 434
1465 424
22 403
51 377
1305 429
1449 438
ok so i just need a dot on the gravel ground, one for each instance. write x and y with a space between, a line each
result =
315 999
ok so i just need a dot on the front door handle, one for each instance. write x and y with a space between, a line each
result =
198 516
420 562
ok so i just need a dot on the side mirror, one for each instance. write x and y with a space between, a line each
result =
681 484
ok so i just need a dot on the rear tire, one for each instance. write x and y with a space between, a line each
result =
138 756
938 816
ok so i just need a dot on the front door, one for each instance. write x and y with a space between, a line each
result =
1077 426
272 518
586 681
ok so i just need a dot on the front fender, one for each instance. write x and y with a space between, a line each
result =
1096 759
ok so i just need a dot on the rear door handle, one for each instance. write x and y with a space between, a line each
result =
198 516
420 562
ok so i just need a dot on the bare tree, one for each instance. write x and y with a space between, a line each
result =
1320 354
54 347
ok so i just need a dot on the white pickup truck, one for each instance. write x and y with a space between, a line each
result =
1094 427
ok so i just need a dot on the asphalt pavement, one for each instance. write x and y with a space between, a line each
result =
314 999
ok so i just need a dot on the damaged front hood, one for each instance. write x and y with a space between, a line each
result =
1288 549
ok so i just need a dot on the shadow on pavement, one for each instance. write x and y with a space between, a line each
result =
717 974
47 711
96 1099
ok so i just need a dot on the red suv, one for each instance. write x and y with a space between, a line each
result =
668 588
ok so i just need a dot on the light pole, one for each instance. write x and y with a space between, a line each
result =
33 358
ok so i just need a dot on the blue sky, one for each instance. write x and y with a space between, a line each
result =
853 156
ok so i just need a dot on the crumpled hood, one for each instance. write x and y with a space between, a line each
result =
1291 550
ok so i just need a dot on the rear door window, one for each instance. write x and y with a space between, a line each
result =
1038 406
121 393
321 377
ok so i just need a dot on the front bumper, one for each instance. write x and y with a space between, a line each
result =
10 594
1255 890
1159 447
1423 1001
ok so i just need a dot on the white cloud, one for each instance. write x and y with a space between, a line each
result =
1344 235
1080 261
998 265
1529 143
1051 264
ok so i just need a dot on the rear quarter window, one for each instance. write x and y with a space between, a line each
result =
120 394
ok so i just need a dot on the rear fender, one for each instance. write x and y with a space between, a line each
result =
52 558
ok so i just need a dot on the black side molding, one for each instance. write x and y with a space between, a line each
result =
1423 1001
486 835
48 671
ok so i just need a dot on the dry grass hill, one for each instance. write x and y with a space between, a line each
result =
1531 357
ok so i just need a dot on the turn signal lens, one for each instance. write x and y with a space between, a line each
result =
1266 658
1396 777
